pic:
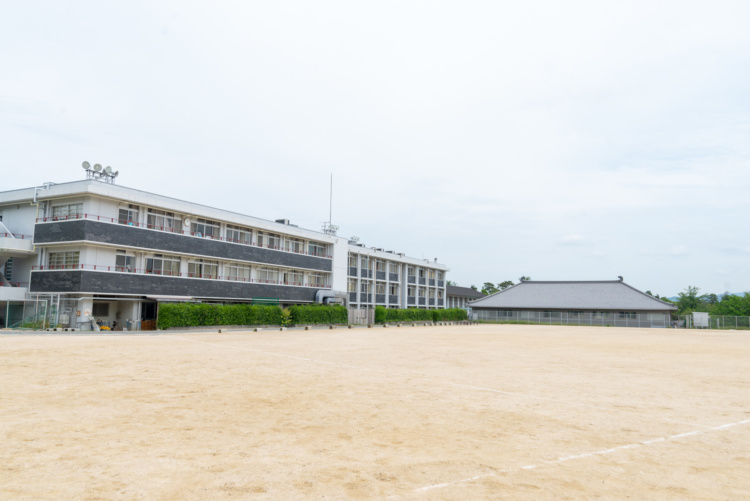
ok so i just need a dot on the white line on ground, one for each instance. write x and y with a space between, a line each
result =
584 455
482 388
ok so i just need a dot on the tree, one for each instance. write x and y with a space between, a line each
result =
473 287
504 285
488 288
688 300
649 293
451 283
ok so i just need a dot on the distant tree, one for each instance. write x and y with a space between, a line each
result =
649 293
473 287
504 285
488 288
688 301
451 283
710 299
525 278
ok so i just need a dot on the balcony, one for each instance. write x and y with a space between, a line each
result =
380 298
411 300
392 299
13 291
135 271
88 229
16 245
432 282
422 281
393 277
379 275
352 297
352 271
422 301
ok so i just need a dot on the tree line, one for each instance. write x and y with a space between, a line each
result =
727 304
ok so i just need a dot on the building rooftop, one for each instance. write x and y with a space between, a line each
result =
590 295
454 290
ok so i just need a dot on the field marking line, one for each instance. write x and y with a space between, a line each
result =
432 380
585 455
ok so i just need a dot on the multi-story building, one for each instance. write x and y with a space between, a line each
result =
98 250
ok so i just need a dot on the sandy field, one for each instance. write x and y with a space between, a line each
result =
449 412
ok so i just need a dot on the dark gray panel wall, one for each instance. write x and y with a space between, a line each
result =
98 282
131 236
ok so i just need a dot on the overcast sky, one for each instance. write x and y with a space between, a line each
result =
560 140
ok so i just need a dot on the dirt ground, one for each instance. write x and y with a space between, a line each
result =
451 412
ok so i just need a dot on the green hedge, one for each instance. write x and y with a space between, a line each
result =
196 314
319 314
383 315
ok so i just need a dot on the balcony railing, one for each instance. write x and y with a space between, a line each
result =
168 229
16 235
205 276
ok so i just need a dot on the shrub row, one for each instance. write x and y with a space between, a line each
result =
383 315
318 314
196 314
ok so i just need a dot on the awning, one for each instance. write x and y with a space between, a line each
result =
171 298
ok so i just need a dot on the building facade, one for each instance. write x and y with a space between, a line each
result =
113 253
605 303
460 297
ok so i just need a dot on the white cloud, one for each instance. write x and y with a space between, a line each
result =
678 250
571 239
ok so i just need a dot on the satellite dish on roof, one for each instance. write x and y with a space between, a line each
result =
86 165
97 167
116 173
107 169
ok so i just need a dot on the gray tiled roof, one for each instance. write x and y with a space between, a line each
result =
602 295
453 290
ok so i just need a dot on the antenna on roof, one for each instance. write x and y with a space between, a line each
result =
620 277
328 227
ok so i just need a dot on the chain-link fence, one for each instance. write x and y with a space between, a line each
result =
600 318
720 322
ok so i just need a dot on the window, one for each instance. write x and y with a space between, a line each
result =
123 262
316 279
575 314
351 285
316 249
628 314
432 274
64 260
237 272
432 294
128 215
239 235
393 289
161 220
268 275
365 261
440 275
352 260
293 277
551 314
205 228
393 268
293 245
100 310
411 291
600 314
380 265
70 211
270 240
421 272
162 264
421 292
365 287
203 268
380 288
440 293
410 271
9 269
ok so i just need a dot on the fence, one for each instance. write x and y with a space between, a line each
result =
608 319
717 322
361 317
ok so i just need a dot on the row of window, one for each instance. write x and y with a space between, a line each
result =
169 265
597 315
169 221
367 263
393 289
